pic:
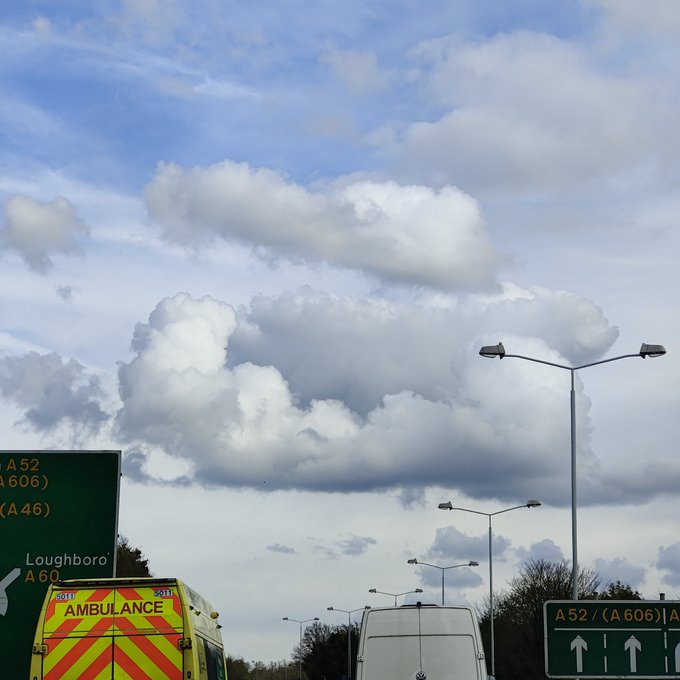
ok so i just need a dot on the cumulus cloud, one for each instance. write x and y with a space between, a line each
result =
511 124
451 544
39 230
546 550
386 396
668 560
355 545
619 569
53 391
404 234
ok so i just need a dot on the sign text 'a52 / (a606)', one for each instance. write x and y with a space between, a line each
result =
612 638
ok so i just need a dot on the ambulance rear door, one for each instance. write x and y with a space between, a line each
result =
148 633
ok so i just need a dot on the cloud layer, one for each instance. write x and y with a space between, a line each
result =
403 234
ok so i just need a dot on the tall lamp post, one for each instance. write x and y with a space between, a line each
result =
529 504
285 618
349 613
492 351
471 563
396 595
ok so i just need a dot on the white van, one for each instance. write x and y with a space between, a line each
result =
420 642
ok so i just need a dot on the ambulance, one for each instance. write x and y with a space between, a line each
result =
127 629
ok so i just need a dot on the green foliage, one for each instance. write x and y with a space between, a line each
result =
238 669
518 614
619 591
130 562
324 651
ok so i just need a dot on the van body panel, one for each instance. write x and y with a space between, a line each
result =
121 629
420 642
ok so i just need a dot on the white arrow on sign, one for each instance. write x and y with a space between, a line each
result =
579 644
4 601
633 646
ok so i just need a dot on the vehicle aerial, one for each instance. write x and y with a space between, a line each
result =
151 628
420 642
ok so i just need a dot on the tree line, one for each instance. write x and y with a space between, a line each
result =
518 624
518 627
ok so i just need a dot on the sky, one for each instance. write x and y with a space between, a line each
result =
257 247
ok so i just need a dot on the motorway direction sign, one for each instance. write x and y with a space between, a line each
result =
58 520
612 638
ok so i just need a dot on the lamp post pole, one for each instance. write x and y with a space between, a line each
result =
286 618
492 351
395 595
471 563
529 504
349 613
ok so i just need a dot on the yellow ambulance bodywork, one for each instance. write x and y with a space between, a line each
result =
127 629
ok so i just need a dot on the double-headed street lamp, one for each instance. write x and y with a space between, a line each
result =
285 618
492 351
396 595
349 613
471 563
529 504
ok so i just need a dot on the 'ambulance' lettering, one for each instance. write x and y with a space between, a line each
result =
106 609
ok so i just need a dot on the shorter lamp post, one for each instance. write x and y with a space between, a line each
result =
471 563
396 595
285 618
529 504
349 613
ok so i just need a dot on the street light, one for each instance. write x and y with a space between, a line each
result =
651 351
471 563
529 504
396 595
349 613
285 618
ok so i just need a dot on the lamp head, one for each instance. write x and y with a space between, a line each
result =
493 351
372 590
316 618
446 506
285 618
412 561
652 351
418 590
472 563
330 609
533 503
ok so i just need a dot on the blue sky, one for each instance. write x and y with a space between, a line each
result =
258 246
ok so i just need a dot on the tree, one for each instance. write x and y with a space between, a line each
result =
130 562
518 616
324 651
619 591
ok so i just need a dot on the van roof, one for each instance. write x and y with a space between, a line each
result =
108 582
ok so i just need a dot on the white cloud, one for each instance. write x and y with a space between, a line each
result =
358 70
529 112
669 561
53 392
654 18
404 234
39 230
546 550
267 398
619 569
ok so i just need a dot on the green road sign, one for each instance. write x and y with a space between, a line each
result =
58 520
612 638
